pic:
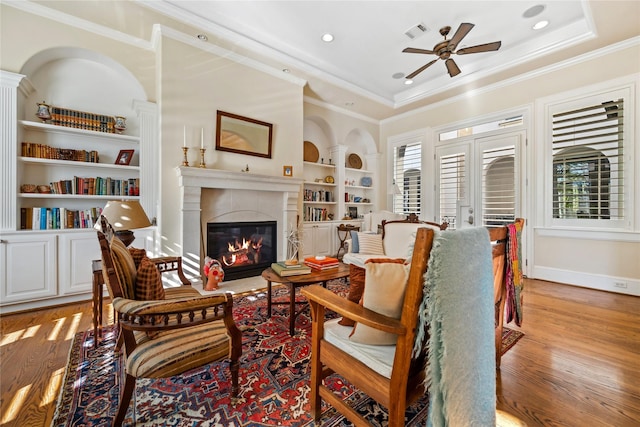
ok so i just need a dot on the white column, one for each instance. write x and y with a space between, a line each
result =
9 211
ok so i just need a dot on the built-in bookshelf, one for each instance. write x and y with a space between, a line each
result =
67 173
319 196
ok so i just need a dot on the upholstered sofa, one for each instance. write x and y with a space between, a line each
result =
394 241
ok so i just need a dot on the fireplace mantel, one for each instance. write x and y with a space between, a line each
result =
216 178
238 193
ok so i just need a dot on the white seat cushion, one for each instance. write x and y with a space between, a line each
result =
359 259
377 357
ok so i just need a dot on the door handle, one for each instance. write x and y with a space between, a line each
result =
470 219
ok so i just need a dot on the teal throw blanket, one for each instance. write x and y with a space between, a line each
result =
458 309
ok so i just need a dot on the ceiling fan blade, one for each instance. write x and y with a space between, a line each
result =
487 47
421 69
461 32
415 50
452 67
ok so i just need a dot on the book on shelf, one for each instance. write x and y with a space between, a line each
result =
56 218
284 271
325 263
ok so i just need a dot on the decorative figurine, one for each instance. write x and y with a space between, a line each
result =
214 272
43 112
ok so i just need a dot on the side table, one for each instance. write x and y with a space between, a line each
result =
96 305
346 229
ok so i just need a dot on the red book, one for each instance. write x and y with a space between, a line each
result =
324 261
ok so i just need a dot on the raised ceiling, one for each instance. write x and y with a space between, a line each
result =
356 70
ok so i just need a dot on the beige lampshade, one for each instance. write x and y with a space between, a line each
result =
125 215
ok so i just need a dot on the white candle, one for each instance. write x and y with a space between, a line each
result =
202 138
184 136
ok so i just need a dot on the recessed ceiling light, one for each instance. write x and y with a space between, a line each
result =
533 11
203 37
286 70
408 82
327 37
349 104
540 25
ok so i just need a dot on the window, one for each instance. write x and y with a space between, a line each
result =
453 177
407 177
498 186
588 162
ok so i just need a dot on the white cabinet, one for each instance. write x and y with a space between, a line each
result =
75 253
318 239
41 266
28 267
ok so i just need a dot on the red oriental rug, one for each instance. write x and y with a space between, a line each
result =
274 381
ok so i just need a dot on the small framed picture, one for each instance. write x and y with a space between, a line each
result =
353 212
124 157
287 170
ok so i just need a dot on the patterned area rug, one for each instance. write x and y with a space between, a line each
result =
274 379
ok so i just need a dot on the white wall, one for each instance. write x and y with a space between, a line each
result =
601 259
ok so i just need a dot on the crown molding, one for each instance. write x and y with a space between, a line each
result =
595 54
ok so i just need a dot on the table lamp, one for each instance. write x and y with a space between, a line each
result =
124 216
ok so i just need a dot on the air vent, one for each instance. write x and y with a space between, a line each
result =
416 31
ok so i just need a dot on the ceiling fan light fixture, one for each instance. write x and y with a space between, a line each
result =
327 37
540 25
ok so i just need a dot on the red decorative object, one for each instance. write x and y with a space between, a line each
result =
214 272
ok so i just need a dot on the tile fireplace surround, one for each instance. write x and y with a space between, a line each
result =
213 195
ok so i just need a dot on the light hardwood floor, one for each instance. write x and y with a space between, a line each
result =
578 364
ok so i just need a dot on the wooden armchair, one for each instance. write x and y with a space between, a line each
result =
166 337
406 382
402 381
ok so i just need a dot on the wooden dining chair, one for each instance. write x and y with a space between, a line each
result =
498 237
165 337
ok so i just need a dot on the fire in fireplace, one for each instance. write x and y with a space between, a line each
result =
243 248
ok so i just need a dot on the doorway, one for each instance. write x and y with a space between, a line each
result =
479 179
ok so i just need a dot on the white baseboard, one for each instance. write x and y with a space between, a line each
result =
621 285
44 303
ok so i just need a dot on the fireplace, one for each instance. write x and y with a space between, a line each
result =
243 248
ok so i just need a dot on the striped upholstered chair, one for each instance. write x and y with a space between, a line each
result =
168 333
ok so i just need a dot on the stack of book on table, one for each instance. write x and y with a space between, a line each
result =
284 270
322 263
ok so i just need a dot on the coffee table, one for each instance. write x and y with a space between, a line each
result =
294 282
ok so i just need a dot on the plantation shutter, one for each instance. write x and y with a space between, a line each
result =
588 162
452 184
498 186
407 182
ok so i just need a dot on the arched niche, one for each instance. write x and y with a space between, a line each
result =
84 80
320 133
360 142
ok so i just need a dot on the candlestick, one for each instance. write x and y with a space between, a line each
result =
201 137
185 162
202 165
184 136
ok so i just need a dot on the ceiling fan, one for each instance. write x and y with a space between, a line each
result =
446 48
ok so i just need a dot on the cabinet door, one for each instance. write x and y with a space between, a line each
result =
27 267
317 239
77 250
323 238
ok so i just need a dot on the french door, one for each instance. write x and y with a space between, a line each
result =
479 180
